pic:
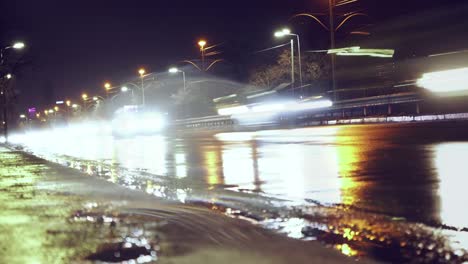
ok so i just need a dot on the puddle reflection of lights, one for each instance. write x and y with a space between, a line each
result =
238 166
238 136
180 165
346 250
450 164
212 166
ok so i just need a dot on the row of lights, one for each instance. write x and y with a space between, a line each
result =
202 43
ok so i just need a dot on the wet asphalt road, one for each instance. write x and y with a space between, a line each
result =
398 177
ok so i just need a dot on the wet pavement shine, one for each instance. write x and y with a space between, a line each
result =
392 192
53 214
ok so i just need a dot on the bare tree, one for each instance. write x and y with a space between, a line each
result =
314 66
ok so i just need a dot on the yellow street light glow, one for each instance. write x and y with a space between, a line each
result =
45 112
38 115
95 98
202 43
84 96
141 71
51 111
173 70
74 105
18 45
68 102
454 80
107 86
56 108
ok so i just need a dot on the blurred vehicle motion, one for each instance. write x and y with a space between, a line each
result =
134 120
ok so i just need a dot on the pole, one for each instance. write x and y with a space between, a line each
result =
292 65
5 110
5 116
1 56
142 91
203 58
332 46
300 60
185 85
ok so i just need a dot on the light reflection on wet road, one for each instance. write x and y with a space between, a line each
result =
416 172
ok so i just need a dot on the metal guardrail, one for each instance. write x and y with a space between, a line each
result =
217 120
399 98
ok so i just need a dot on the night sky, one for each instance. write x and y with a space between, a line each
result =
76 46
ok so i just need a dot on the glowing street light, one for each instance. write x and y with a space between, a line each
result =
176 70
56 108
68 102
74 106
124 89
202 44
18 45
9 76
287 32
282 33
85 99
108 87
22 116
142 75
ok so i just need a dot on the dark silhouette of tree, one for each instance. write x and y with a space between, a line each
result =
315 67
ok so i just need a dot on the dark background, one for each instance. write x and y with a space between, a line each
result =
75 46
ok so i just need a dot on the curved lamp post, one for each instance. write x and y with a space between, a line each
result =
17 46
176 70
287 32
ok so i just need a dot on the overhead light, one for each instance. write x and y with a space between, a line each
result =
18 45
173 70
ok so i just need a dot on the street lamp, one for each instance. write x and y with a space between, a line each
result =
9 76
142 72
287 32
202 44
176 70
85 98
282 33
17 46
107 86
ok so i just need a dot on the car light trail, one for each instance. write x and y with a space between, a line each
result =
454 80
